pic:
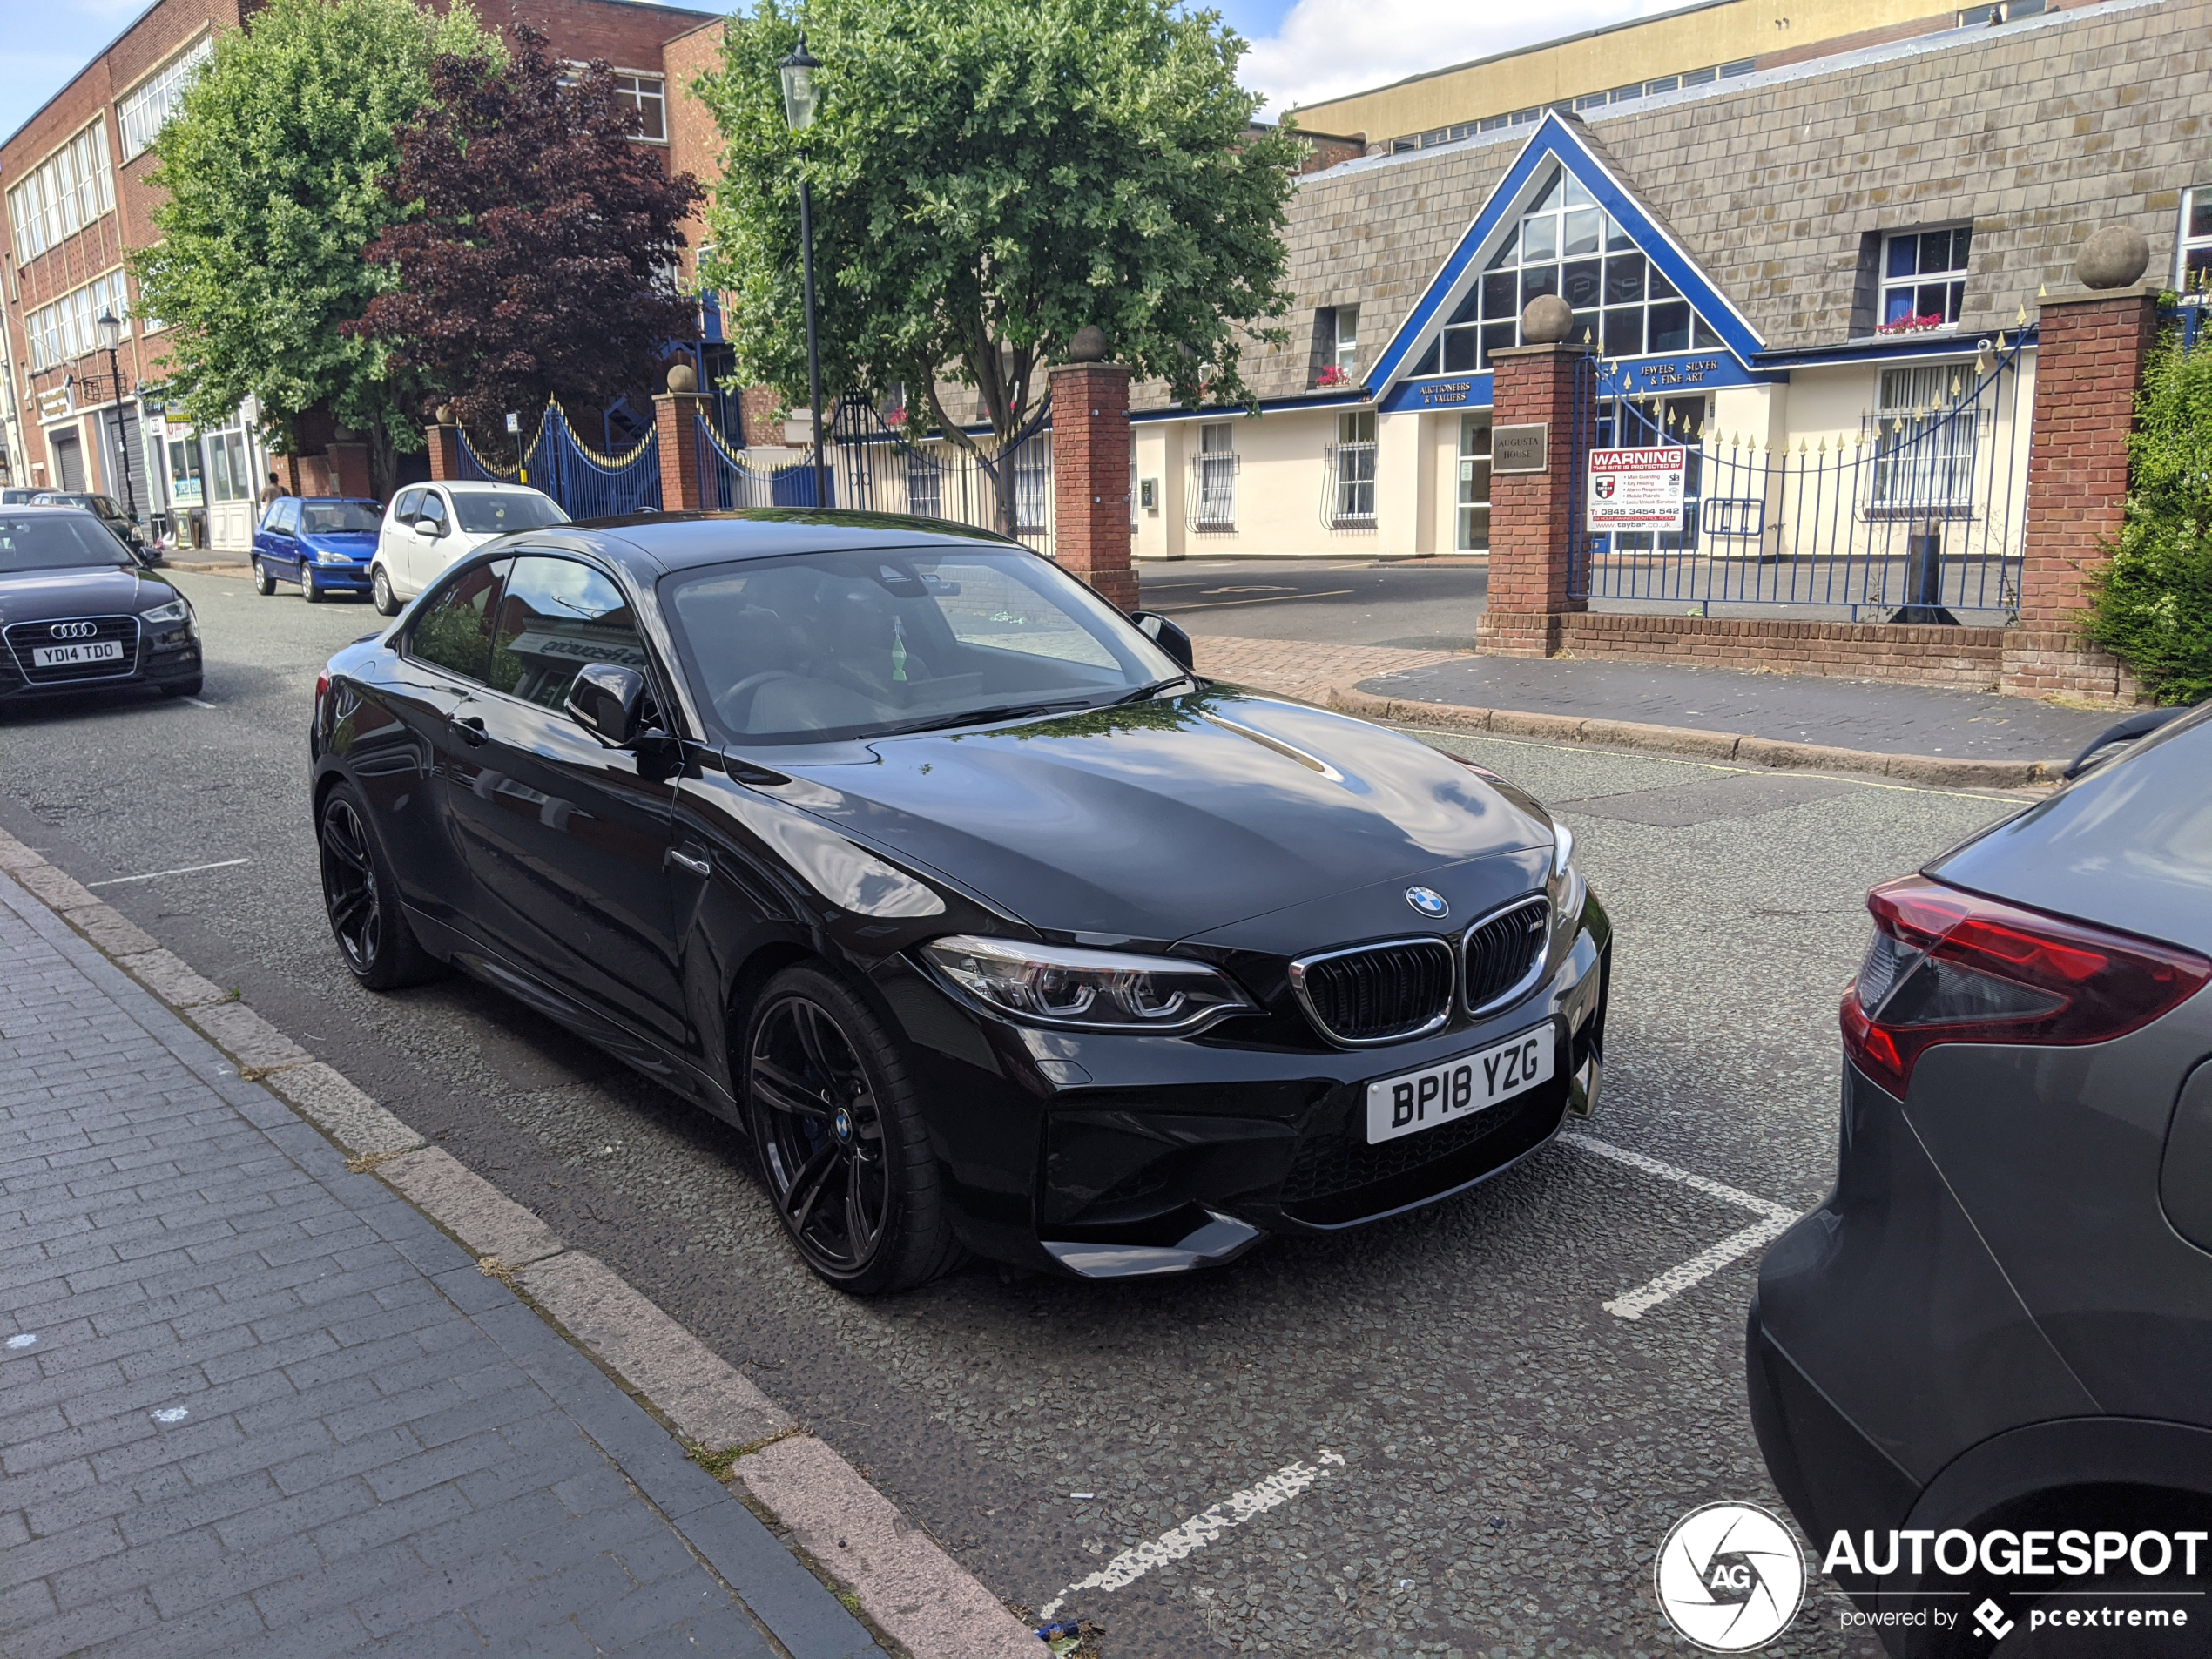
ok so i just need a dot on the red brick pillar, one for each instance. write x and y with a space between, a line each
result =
1532 513
2088 362
1090 473
676 417
444 443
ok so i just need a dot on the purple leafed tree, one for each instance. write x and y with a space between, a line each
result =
538 255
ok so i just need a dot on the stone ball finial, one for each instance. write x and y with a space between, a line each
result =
445 414
1545 321
683 378
1089 345
2113 256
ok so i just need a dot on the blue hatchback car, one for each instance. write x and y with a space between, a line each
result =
323 543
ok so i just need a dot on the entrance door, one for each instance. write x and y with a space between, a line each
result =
1474 483
69 460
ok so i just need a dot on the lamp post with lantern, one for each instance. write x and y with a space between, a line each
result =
110 331
800 101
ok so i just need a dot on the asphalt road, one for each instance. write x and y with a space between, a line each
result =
1511 1452
1418 603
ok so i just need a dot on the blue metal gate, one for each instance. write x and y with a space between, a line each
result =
1915 512
586 483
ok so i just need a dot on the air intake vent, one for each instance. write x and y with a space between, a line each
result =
1377 993
1505 952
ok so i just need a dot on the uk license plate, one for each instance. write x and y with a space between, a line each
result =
98 650
1459 1088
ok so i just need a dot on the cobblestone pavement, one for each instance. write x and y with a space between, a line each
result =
1298 668
252 1404
1512 1453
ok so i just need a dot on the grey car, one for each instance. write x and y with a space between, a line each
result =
1990 1351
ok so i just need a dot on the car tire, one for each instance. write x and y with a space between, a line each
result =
308 590
380 594
824 1083
264 583
361 899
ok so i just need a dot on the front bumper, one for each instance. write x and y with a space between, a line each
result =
160 657
1115 1157
339 578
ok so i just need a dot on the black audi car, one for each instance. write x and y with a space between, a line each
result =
992 925
79 613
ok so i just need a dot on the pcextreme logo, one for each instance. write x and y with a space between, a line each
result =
1729 1577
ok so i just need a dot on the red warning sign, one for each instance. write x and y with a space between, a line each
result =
1635 489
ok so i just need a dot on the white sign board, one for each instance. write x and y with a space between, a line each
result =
1635 489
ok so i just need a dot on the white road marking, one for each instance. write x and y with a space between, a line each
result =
1774 1220
1201 1529
152 876
196 703
1222 604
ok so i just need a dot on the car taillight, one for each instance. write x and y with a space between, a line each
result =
1949 966
322 684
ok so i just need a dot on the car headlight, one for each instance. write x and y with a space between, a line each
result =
324 555
1565 885
160 615
1085 990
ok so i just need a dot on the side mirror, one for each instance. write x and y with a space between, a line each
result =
608 701
427 529
1168 635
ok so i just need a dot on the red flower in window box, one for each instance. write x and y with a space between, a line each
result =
1913 324
1330 376
895 417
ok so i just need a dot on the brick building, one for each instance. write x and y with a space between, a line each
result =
74 176
1840 256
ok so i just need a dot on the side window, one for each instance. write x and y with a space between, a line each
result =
284 516
404 509
433 509
454 630
555 617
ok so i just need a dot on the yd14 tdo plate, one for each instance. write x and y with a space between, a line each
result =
100 650
1458 1087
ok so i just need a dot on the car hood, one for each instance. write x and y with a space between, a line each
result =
1164 819
38 595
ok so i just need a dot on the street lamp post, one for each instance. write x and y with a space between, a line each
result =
800 101
111 331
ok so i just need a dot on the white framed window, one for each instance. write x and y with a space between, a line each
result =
650 94
1923 278
1339 345
142 112
2193 247
69 190
1924 443
1213 478
1474 484
63 331
1352 471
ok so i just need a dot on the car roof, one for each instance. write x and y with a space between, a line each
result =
685 541
472 485
357 501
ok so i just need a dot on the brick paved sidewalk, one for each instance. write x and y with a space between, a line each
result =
252 1404
1300 668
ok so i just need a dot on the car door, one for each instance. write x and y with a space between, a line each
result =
391 541
278 539
442 659
565 839
430 545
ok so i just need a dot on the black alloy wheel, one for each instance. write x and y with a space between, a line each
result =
360 896
838 1128
264 583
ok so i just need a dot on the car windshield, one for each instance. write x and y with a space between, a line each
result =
63 498
486 514
55 542
825 646
340 518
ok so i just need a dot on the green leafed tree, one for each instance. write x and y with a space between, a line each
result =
2150 603
989 178
273 168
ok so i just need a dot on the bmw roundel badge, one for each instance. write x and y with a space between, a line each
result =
1428 900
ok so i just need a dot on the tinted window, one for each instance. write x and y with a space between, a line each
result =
283 519
455 632
433 509
846 645
339 518
554 616
404 509
57 541
483 513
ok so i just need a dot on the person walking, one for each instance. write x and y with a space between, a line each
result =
272 491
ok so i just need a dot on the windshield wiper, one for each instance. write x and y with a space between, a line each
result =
979 717
1153 689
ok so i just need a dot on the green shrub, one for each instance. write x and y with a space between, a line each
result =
2151 603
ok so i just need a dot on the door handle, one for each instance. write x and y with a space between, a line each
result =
470 727
684 861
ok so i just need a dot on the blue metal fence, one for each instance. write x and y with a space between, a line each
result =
1008 489
729 479
1915 512
587 484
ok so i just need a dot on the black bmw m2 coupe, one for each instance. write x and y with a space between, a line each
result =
992 925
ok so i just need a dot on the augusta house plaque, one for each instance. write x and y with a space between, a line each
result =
1521 449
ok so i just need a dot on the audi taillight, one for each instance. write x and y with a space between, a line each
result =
1949 966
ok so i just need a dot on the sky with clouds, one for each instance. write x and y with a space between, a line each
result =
1302 50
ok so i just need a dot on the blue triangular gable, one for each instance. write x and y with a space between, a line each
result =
1557 140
